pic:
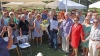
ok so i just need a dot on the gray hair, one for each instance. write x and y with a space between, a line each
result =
29 14
67 13
22 16
51 12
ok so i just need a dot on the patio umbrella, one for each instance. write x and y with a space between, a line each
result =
95 5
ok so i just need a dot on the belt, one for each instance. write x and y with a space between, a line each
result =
94 40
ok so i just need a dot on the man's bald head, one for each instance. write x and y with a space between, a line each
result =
67 15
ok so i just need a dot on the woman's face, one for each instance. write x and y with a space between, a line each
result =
11 15
95 16
76 21
38 17
87 21
30 16
5 15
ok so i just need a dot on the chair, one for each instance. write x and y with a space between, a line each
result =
24 45
13 46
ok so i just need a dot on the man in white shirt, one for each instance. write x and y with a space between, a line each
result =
52 30
94 38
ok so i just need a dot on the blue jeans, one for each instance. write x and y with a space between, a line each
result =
51 39
55 40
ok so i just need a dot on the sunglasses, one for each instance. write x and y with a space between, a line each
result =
11 14
95 22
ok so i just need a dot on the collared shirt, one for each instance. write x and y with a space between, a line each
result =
44 16
66 26
91 20
81 19
94 34
51 24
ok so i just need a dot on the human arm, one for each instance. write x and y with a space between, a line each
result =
89 37
20 32
70 29
3 31
10 40
82 33
36 27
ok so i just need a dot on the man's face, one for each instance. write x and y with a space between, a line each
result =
96 23
66 16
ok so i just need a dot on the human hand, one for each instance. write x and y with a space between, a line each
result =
56 28
68 37
98 46
20 34
38 31
9 29
4 29
83 41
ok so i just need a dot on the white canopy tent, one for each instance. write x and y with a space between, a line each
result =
95 5
33 4
23 0
12 4
62 5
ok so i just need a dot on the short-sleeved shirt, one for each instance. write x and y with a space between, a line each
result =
44 16
3 47
24 26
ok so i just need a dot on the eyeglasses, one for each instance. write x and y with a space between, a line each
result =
95 22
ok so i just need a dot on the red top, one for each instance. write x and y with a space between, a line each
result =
77 33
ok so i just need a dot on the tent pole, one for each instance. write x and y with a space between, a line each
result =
66 5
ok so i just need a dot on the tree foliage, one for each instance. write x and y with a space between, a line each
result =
85 2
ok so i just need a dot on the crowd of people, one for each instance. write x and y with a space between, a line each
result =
74 30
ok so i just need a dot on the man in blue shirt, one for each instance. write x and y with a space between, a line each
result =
5 46
44 15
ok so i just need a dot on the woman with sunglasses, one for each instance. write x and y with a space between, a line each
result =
77 34
87 29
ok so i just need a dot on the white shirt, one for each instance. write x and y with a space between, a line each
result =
94 34
51 24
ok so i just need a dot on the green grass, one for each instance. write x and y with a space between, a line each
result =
43 49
